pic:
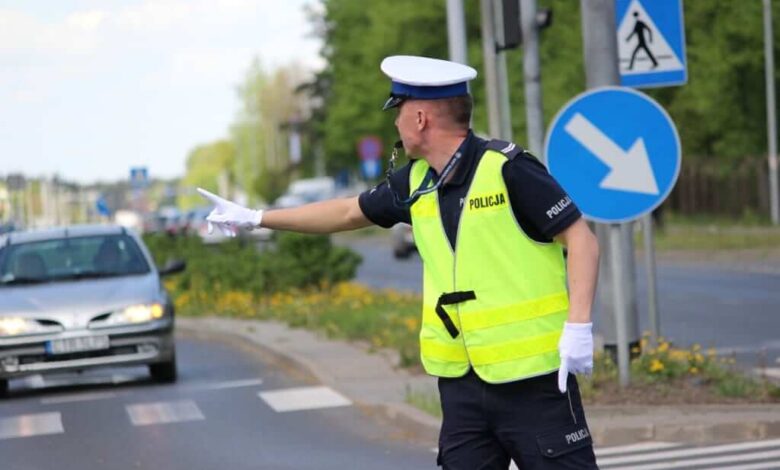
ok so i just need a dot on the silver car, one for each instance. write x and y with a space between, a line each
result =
80 297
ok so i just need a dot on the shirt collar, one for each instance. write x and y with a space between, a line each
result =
468 150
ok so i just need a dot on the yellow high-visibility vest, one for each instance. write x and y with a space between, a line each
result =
503 294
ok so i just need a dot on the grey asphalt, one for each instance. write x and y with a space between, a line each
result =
238 429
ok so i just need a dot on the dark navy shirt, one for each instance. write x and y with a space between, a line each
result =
541 207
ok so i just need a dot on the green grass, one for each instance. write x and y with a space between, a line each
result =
717 237
426 401
707 232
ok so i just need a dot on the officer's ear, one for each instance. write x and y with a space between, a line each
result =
422 119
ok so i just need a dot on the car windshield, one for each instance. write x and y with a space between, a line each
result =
68 259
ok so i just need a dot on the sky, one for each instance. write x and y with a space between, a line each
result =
91 88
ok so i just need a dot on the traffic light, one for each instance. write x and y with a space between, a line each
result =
513 34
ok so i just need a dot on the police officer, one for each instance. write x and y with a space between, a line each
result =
500 328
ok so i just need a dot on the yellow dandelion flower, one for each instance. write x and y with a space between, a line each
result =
656 365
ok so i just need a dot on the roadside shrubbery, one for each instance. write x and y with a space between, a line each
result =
237 266
668 374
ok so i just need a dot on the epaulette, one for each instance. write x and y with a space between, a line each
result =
509 149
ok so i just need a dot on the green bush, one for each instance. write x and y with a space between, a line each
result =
294 262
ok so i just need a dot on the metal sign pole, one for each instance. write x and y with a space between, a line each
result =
652 290
532 74
601 68
456 31
619 290
770 112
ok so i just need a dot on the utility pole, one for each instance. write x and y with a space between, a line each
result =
771 120
532 73
456 32
499 123
617 283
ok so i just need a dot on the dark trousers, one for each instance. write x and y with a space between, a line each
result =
529 421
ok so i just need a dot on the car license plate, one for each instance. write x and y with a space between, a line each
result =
72 345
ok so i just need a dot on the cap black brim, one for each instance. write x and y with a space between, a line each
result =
392 102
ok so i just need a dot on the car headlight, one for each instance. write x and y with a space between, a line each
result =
17 326
135 314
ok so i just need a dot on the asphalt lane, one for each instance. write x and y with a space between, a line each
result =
718 306
212 418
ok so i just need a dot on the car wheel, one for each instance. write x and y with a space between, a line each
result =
3 388
164 372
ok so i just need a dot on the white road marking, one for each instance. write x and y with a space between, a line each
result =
706 462
675 457
753 466
304 398
640 446
227 384
143 414
31 425
77 397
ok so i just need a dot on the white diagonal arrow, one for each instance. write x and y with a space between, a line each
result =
629 171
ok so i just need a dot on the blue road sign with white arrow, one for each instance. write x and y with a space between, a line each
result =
615 151
651 43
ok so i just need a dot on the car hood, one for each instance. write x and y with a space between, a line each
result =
74 303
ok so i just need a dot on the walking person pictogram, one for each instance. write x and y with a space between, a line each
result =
639 30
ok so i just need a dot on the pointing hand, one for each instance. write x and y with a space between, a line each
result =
228 215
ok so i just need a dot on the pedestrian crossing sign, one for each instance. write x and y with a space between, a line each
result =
651 43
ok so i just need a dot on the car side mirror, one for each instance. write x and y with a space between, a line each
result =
173 266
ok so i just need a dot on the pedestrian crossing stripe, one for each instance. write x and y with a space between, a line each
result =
638 447
143 414
166 412
304 398
37 424
660 456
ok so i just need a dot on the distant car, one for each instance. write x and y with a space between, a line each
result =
81 297
403 241
307 190
7 227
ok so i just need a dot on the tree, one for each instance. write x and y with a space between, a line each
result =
204 166
268 102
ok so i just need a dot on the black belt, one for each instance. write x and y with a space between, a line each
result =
451 298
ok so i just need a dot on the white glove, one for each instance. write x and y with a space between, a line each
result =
228 215
576 350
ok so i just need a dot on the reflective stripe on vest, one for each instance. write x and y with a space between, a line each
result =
510 331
